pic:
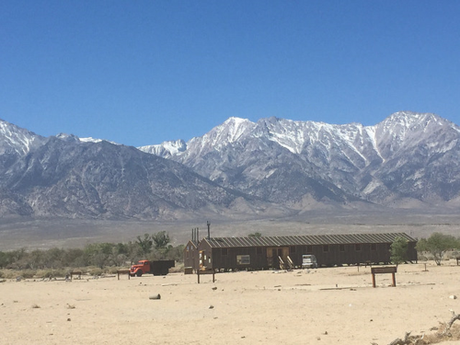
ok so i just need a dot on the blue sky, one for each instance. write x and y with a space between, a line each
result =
142 72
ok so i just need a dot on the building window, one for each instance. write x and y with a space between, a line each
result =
243 259
342 247
325 248
309 249
293 249
373 246
259 251
357 247
224 251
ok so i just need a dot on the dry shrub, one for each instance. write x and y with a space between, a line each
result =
422 257
51 273
9 274
111 270
437 337
178 268
26 274
95 271
452 255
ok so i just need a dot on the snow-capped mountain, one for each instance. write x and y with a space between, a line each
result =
16 140
166 149
408 155
95 140
62 176
272 166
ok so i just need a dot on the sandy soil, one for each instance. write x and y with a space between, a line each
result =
323 306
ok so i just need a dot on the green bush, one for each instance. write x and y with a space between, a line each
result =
438 245
398 250
106 256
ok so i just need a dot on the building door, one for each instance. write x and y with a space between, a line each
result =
274 254
202 260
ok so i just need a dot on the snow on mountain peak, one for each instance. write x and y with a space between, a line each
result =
165 149
228 132
409 119
95 140
17 139
404 127
232 129
235 121
68 137
359 145
90 140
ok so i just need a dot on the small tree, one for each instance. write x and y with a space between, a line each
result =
255 234
160 240
438 244
145 244
398 250
3 259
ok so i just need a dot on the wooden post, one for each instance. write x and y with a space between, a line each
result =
212 271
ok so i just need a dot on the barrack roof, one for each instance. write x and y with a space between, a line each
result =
279 241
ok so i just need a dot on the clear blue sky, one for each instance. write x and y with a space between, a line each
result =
142 72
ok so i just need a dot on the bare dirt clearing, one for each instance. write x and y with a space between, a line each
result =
323 306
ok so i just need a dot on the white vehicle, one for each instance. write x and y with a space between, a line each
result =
309 261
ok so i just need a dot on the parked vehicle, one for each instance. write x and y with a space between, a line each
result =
309 261
157 268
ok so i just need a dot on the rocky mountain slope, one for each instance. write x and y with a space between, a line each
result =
408 159
271 167
64 177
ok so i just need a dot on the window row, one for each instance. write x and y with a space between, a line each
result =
309 249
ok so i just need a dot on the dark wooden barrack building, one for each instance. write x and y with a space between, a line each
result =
255 253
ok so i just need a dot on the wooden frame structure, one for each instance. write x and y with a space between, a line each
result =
200 272
191 256
283 252
75 273
124 271
384 270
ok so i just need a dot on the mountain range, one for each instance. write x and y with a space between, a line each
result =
272 167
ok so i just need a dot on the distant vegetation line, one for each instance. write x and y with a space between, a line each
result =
97 255
106 257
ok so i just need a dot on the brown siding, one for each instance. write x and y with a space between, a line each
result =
223 253
190 255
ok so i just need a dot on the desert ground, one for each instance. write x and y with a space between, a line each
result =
76 233
318 306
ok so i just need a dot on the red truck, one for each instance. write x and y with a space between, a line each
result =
157 268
